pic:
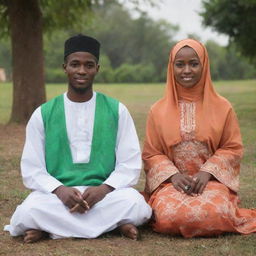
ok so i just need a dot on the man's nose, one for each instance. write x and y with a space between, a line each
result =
82 70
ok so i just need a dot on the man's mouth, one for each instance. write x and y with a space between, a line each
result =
81 79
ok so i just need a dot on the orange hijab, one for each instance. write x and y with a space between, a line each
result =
211 109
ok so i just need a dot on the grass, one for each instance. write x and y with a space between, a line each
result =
138 99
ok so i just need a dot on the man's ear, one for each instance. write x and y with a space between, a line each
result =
98 67
64 65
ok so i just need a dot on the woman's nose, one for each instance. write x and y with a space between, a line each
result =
187 69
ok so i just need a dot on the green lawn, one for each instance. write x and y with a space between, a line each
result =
138 98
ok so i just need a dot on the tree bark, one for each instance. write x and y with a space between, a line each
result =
27 55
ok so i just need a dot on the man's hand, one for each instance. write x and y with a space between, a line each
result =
71 197
93 195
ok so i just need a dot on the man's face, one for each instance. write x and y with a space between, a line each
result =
187 67
81 68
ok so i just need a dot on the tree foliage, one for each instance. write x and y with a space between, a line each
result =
135 41
64 14
227 63
235 18
26 21
137 50
132 49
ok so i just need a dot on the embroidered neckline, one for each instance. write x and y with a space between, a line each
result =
187 118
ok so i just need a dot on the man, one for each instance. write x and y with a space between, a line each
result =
80 158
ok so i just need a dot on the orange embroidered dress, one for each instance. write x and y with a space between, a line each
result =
192 130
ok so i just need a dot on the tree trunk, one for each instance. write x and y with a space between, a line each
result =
27 55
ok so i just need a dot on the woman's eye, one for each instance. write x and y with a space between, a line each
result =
195 64
179 65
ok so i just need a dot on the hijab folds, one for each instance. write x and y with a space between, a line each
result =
212 110
216 124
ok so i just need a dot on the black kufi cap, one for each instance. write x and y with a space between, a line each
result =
82 43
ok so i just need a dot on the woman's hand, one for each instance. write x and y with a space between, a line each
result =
182 182
191 185
200 180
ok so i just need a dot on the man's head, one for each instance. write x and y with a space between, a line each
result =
81 55
82 43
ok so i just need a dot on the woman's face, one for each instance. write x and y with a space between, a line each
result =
187 67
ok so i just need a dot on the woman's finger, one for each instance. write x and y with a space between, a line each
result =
188 179
178 187
197 187
193 184
201 189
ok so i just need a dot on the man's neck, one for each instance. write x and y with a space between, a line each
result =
79 97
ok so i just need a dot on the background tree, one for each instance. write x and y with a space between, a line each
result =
235 18
132 49
227 63
26 20
141 45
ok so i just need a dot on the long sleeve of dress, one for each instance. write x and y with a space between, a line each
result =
157 164
224 164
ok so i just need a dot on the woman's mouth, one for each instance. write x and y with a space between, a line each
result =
187 79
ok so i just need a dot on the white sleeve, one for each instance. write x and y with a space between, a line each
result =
33 167
128 154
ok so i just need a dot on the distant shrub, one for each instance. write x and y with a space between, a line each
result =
128 73
55 75
106 73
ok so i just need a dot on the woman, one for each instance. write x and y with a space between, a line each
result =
192 153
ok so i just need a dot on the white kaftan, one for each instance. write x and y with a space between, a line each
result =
43 210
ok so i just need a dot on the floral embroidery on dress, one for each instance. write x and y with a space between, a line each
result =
177 212
223 168
187 119
190 155
173 200
158 174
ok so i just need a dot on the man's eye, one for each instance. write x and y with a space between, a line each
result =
90 65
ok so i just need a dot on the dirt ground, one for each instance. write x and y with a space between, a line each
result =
12 193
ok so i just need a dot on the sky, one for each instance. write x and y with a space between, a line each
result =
185 14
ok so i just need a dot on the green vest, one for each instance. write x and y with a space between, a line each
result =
58 155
